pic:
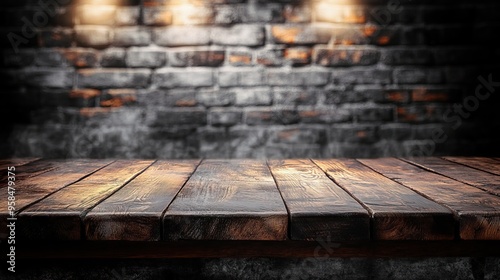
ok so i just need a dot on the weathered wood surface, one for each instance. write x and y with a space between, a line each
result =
478 212
477 178
59 215
134 212
237 200
29 191
318 208
485 164
228 200
398 212
5 163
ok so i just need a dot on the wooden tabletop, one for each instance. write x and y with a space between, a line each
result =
386 199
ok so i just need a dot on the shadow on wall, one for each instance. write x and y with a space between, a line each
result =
249 79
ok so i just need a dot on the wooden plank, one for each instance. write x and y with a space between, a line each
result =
473 177
485 164
31 169
35 189
477 211
58 217
398 213
134 212
85 250
318 207
4 163
228 200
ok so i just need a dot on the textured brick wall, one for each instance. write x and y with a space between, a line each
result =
249 78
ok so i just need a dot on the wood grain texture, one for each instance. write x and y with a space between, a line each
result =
485 164
34 189
228 200
32 169
134 212
59 215
471 176
318 208
4 163
398 213
477 211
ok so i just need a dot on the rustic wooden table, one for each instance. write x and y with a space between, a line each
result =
215 208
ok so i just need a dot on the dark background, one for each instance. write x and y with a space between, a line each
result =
256 79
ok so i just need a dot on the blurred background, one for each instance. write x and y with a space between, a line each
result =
249 78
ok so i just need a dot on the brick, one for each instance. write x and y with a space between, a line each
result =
396 131
353 133
69 98
118 98
192 15
22 58
271 56
93 36
383 36
157 16
295 96
252 96
396 96
168 98
324 115
298 34
131 36
362 76
113 78
127 16
346 56
280 151
381 15
421 113
405 56
328 12
196 57
146 58
342 96
417 75
49 57
425 94
177 36
96 14
231 14
297 135
47 77
113 57
353 150
240 57
241 77
247 142
176 116
194 77
298 56
239 35
224 117
55 38
298 77
271 116
210 98
297 13
213 142
371 113
80 58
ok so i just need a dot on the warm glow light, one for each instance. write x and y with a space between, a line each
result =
326 11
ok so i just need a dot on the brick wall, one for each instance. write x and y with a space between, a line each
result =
249 78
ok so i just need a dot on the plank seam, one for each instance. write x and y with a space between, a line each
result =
435 172
86 211
372 225
67 185
289 214
468 166
162 216
456 215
